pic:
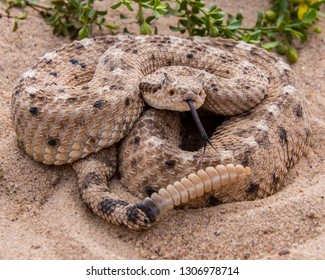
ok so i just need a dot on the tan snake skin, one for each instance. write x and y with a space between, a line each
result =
86 96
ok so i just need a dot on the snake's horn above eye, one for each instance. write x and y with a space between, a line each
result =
200 77
201 74
165 81
169 78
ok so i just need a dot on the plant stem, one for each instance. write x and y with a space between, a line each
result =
253 29
37 6
6 16
140 15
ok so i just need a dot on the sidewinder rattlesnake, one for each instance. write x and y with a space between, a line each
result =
85 96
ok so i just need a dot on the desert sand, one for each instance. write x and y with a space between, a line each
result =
43 217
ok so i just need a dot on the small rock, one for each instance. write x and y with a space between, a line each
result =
284 252
246 256
311 215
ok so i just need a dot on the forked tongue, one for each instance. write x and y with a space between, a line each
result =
200 128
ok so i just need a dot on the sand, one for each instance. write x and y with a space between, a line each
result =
43 217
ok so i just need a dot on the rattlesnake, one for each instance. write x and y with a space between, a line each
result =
85 96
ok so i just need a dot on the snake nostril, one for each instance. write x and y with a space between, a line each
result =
171 92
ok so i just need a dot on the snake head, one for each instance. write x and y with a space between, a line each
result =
169 88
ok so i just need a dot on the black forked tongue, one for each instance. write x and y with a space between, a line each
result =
200 127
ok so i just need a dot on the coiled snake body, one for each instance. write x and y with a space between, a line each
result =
86 96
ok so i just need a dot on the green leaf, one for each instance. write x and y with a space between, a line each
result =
65 30
272 33
161 11
317 30
196 19
75 3
148 6
259 17
157 14
184 22
256 42
213 31
52 19
292 55
317 5
59 3
101 13
270 45
281 49
83 32
111 26
319 14
17 4
100 20
183 6
279 20
22 16
304 35
199 4
16 25
256 35
122 16
57 30
145 29
91 13
199 32
177 29
115 6
239 16
150 18
233 25
246 37
310 16
218 15
128 5
294 33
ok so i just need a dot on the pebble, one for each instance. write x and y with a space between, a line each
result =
284 252
311 215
